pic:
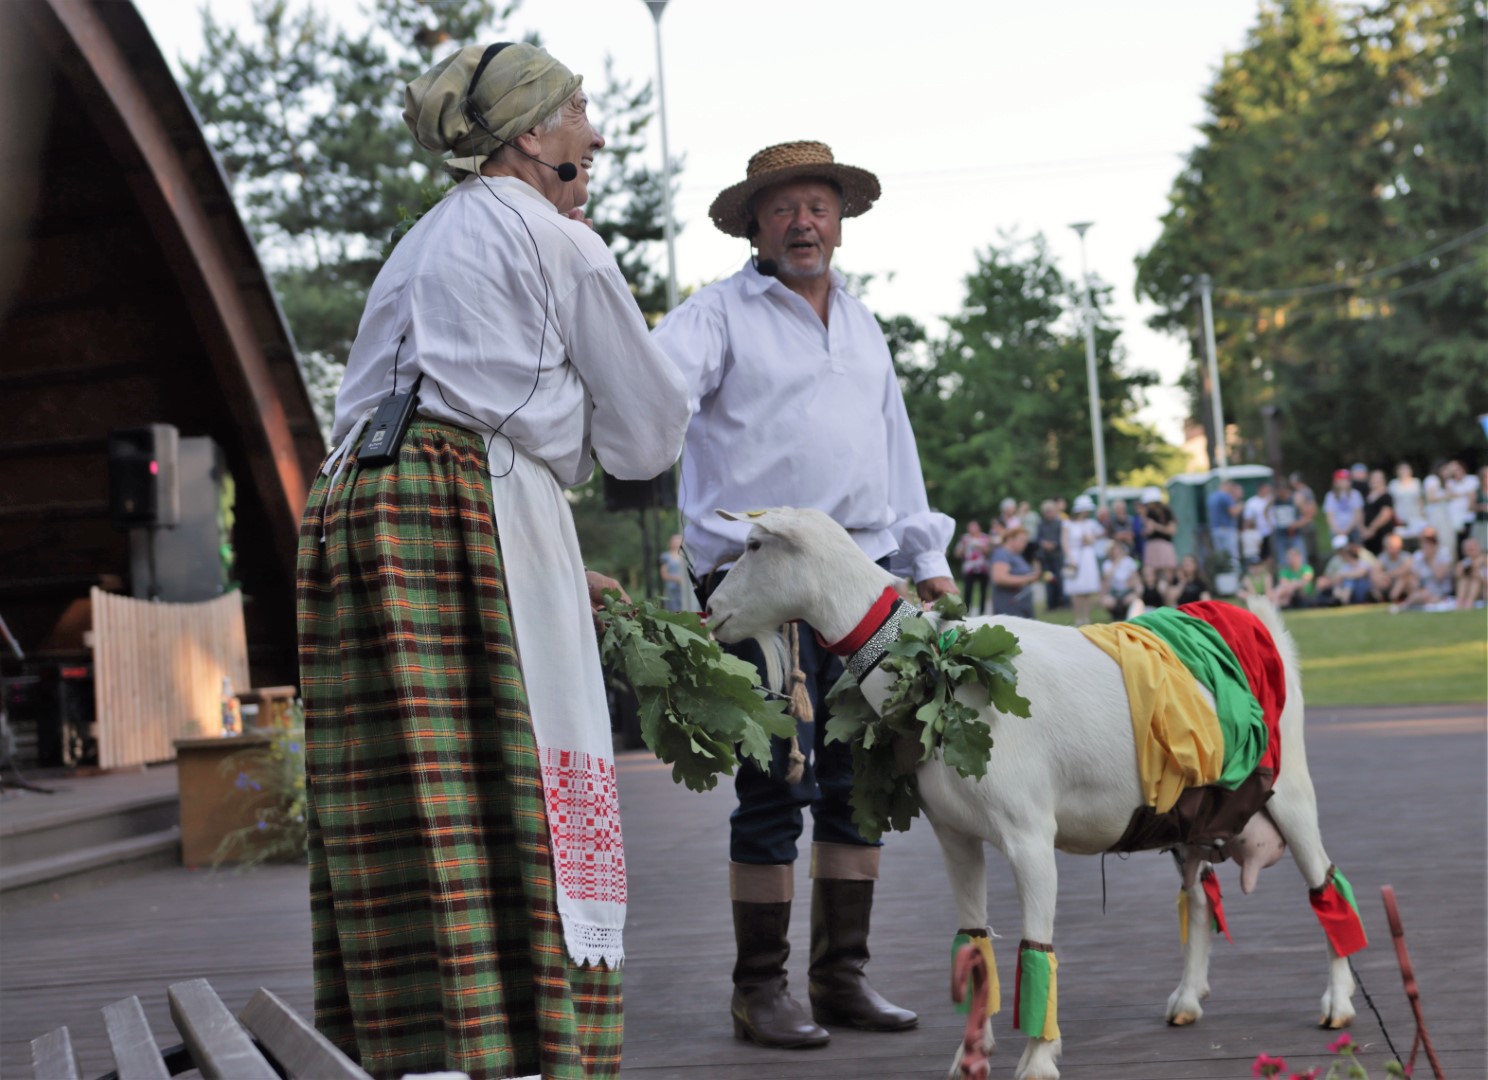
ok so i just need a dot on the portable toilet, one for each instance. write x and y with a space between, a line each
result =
1188 495
1186 499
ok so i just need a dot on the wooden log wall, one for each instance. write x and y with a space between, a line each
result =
158 670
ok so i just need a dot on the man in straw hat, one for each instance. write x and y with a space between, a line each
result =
467 873
796 403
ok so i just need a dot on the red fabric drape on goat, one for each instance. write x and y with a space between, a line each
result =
1253 646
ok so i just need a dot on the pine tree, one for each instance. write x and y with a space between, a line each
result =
1341 144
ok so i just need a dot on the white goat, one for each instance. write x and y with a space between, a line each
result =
1064 779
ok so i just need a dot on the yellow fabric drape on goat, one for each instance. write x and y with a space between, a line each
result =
1179 742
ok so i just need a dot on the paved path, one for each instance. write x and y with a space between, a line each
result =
1403 802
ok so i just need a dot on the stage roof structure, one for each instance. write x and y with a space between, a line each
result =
130 294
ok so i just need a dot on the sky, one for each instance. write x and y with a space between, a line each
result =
980 117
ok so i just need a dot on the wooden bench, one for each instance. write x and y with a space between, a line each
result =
267 1041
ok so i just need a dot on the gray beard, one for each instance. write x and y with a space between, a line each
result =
787 271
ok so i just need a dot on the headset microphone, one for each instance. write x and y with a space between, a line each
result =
566 171
767 267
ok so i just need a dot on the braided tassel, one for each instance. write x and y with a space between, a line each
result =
800 706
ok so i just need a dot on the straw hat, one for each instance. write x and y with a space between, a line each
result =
792 161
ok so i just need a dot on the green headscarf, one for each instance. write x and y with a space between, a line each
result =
520 87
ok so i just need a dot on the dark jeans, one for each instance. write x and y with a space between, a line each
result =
767 823
974 590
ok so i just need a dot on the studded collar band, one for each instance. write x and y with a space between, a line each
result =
866 645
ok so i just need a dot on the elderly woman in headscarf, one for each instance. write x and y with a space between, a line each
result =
467 872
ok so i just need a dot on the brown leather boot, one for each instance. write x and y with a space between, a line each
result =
840 992
763 1010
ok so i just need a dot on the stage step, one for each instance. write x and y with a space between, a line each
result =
85 831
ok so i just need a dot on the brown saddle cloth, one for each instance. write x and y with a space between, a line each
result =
1203 817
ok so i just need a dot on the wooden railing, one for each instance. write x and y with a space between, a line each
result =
158 670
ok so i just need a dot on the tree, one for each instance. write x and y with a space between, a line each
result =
307 121
1334 199
1000 405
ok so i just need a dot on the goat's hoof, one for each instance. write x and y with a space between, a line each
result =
1182 1019
1333 1023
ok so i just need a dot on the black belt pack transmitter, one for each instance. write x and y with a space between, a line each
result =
389 424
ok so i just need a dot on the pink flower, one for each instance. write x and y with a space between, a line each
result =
1266 1065
1310 1074
1343 1042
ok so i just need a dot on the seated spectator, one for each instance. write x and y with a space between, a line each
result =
1472 575
1346 578
1152 589
1189 586
1344 506
1294 586
1119 580
1013 576
1393 577
1434 570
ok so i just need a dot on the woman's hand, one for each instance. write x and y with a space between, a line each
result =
598 585
577 214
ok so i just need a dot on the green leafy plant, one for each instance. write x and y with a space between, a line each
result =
922 713
700 708
273 777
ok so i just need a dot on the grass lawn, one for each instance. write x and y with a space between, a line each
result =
1366 656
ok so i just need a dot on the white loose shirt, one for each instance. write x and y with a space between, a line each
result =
464 294
462 301
791 412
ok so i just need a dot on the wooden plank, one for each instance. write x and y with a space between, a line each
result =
219 1045
136 1057
52 1057
294 1043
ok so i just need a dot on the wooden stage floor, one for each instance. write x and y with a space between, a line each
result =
1403 802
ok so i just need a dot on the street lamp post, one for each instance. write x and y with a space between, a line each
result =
1097 436
657 7
1216 407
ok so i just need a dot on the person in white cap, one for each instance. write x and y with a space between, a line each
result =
1082 534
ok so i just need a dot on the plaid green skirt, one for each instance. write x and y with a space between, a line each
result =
437 942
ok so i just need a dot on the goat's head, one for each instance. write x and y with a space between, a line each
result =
797 564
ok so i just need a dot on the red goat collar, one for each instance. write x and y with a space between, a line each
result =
877 615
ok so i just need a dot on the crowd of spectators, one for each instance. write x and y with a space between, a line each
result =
1405 542
1402 541
1085 557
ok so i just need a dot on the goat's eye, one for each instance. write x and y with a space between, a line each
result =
753 545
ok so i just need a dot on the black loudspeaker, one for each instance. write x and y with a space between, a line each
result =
143 484
658 493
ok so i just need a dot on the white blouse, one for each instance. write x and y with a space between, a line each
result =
791 412
462 300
